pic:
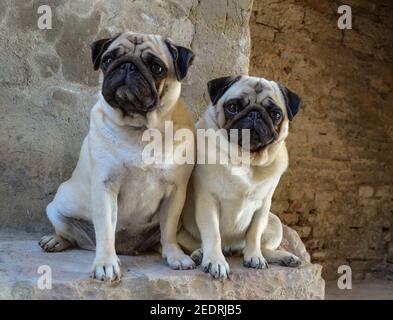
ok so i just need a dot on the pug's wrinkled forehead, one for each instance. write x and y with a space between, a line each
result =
176 59
255 90
144 46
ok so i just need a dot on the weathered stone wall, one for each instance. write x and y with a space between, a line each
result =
47 83
338 190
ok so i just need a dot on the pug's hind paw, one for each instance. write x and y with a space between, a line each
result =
291 261
54 243
282 258
197 256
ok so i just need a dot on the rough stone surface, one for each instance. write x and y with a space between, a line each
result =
144 277
338 190
48 85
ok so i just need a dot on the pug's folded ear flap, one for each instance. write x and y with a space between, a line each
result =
219 86
98 48
292 101
182 59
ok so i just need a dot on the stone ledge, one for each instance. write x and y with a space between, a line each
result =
144 277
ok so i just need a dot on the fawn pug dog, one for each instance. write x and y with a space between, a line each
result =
114 203
231 213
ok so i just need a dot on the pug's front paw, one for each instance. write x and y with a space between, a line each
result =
176 258
216 265
254 259
257 262
106 269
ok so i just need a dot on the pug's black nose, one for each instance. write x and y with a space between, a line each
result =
254 115
127 67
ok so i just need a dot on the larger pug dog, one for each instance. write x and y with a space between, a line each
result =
231 213
114 202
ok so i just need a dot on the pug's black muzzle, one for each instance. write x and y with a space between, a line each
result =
258 121
129 86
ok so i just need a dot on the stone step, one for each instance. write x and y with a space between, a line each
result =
144 277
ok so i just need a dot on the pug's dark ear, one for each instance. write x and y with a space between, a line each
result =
98 48
219 86
292 101
182 59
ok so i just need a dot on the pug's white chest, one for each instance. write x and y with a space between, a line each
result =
141 194
245 187
248 199
142 186
239 203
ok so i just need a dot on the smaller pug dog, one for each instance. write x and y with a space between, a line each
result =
114 202
231 213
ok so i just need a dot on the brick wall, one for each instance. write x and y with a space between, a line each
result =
338 191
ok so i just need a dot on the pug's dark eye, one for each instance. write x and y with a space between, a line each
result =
276 116
156 69
232 108
107 61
